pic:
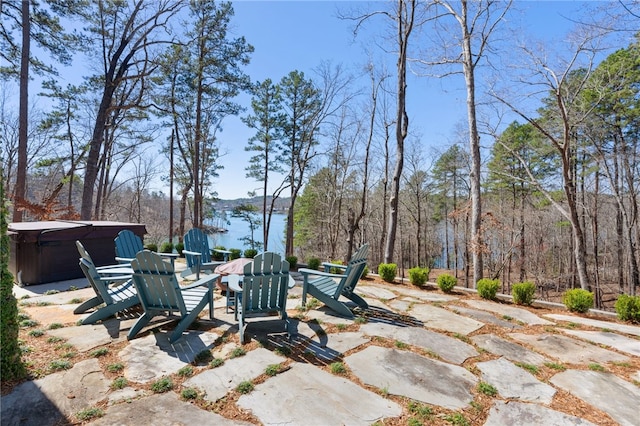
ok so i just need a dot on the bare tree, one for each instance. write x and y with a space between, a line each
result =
127 32
477 22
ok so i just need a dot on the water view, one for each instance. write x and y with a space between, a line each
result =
237 229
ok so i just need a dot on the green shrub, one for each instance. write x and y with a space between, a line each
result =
166 247
387 271
418 276
313 263
365 272
179 248
235 253
487 288
217 255
336 270
89 413
189 393
523 293
293 261
446 282
578 300
11 365
628 308
250 253
151 247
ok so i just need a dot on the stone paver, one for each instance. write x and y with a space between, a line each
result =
513 382
375 292
55 396
306 393
425 295
152 356
442 319
567 349
616 341
484 317
519 314
448 348
623 398
409 374
512 351
300 396
608 325
161 410
216 382
522 414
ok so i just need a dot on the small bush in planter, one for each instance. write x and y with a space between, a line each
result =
418 276
293 261
628 308
313 263
151 247
179 248
250 253
235 253
523 293
446 282
387 271
166 247
578 300
488 288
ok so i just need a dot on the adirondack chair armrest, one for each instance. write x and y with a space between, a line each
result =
234 282
124 259
328 265
192 253
205 281
306 272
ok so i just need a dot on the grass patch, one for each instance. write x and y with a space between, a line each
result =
189 393
272 369
237 352
457 419
596 367
529 367
89 413
555 366
245 387
487 389
400 345
119 383
100 352
59 365
203 357
162 385
36 333
186 371
114 368
216 362
338 368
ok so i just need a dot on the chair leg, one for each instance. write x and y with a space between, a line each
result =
241 327
87 304
139 325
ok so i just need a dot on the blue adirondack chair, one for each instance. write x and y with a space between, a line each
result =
160 294
197 253
116 292
128 245
262 288
328 287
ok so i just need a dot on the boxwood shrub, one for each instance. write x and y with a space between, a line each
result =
446 282
488 288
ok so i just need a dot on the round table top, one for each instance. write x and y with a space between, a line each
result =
235 266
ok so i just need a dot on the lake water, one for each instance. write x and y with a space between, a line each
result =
239 228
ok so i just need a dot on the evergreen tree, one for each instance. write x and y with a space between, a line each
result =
11 366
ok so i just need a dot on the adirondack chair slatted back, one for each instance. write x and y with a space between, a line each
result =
355 267
127 244
90 271
197 241
156 283
265 284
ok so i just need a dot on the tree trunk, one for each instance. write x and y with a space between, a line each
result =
20 188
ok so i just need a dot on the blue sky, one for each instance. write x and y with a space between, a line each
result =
290 35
